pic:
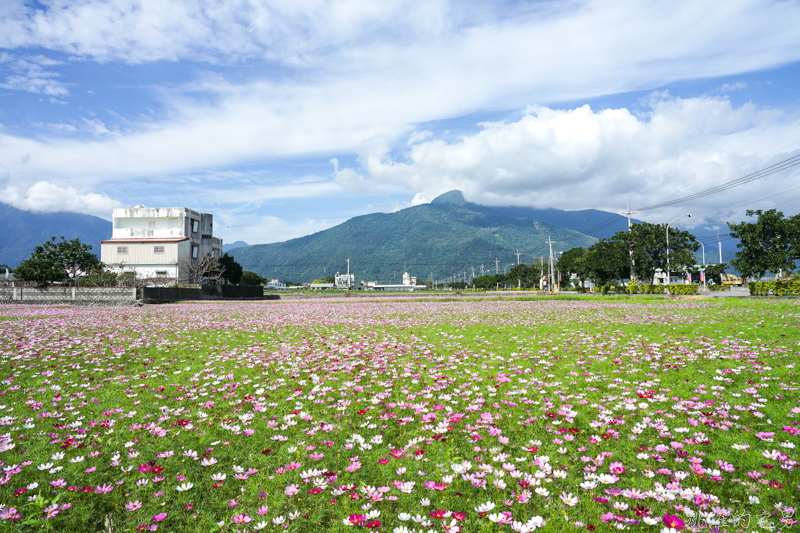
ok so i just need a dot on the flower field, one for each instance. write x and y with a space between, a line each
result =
559 415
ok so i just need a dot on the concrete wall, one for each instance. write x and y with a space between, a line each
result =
175 294
69 295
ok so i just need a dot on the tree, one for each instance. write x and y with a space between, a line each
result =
607 260
714 273
233 270
525 275
207 269
767 245
649 244
251 278
573 261
98 276
54 260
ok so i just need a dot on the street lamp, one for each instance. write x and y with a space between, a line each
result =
704 265
686 215
506 268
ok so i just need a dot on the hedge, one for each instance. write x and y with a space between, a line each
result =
652 289
719 287
777 288
683 288
242 291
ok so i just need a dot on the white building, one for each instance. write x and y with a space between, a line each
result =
153 242
344 281
275 284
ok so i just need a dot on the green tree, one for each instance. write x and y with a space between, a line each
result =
251 278
523 275
767 245
233 270
649 244
714 272
53 260
607 260
573 261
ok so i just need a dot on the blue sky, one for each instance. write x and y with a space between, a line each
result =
286 118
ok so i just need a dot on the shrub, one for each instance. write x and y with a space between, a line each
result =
683 289
778 288
632 288
719 287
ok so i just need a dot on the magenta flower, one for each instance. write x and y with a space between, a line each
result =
159 517
103 489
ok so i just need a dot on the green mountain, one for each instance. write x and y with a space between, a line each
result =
445 237
23 230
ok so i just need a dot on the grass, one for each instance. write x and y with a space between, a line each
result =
485 401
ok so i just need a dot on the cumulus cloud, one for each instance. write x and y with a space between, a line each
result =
580 158
47 197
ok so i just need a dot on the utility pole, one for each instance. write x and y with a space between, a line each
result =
628 213
550 273
496 266
518 254
348 276
473 273
720 251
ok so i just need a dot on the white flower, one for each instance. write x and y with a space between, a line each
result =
541 491
32 486
218 477
402 529
404 517
485 507
45 466
184 487
57 456
651 521
278 520
78 459
424 502
373 514
260 526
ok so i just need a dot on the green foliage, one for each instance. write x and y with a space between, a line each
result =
574 262
649 244
769 244
607 261
632 288
652 289
777 288
683 289
719 287
241 291
233 270
98 276
458 285
53 260
714 272
251 278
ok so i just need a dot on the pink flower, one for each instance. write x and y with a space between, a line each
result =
241 518
103 489
673 521
263 510
132 506
159 517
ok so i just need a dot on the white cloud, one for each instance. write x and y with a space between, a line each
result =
29 75
257 229
47 197
737 86
580 158
358 77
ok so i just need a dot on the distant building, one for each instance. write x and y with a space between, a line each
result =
409 280
153 242
275 284
344 281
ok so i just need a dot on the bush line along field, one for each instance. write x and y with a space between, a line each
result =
412 416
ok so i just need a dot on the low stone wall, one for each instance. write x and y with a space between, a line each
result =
69 295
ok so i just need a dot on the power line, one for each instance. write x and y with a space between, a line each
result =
748 203
759 174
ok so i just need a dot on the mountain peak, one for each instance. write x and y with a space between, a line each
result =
450 197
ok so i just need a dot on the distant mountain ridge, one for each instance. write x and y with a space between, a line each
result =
445 237
23 230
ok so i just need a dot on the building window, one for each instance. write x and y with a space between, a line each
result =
195 248
161 273
158 249
195 225
122 249
152 224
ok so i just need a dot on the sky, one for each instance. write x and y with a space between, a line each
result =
284 118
